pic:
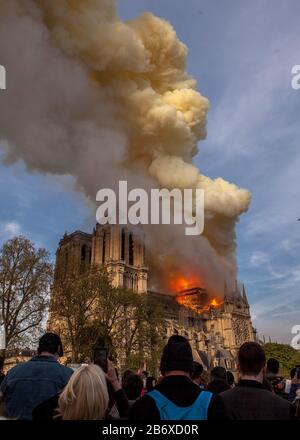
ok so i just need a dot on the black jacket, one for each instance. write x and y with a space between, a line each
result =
249 400
218 386
181 391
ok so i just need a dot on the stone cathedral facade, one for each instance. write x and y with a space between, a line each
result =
215 333
120 250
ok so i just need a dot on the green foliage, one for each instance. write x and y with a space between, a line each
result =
25 279
150 333
286 355
88 307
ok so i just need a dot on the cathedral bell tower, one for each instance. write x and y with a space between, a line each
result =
122 252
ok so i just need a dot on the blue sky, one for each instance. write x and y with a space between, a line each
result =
241 53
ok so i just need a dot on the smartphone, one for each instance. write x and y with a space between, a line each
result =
100 358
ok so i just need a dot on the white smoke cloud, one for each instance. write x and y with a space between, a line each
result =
105 100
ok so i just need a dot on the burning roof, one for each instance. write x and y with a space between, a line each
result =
198 299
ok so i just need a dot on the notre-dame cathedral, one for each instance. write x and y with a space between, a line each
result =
215 331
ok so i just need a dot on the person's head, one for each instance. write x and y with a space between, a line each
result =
1 363
133 386
159 380
252 360
177 338
150 383
198 370
145 374
293 373
218 373
50 344
125 374
177 357
273 366
85 396
230 378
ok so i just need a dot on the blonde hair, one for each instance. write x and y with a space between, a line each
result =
85 397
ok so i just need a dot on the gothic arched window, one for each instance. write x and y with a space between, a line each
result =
131 249
83 252
103 248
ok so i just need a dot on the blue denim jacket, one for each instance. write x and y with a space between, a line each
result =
30 383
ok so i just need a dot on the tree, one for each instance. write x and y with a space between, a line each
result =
25 279
286 355
144 342
73 311
86 307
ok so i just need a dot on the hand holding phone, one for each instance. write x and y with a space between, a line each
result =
100 358
112 377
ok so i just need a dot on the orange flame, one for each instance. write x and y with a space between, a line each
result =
215 303
191 302
177 284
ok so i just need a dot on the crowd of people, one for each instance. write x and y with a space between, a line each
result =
44 389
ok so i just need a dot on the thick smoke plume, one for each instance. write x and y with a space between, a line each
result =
103 100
